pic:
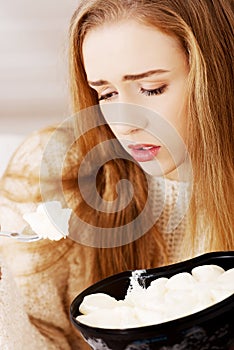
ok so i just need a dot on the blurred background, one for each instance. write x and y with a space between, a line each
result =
33 62
33 67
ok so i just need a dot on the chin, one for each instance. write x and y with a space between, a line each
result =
155 168
152 168
181 172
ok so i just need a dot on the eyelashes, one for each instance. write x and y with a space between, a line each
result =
107 96
146 92
153 92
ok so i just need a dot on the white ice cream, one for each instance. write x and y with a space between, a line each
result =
98 301
49 221
207 273
164 300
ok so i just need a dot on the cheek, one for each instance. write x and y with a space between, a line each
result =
169 131
173 109
180 122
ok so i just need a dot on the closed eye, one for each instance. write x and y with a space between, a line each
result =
147 92
108 96
153 92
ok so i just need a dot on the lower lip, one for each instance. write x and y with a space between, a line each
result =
144 155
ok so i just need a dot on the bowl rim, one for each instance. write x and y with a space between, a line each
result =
223 305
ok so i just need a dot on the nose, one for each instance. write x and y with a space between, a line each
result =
123 129
125 118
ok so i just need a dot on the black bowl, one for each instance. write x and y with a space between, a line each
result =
211 328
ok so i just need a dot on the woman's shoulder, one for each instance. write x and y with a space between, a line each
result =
28 156
40 158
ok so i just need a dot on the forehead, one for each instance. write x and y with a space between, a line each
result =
128 47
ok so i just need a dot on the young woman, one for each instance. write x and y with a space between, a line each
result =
158 77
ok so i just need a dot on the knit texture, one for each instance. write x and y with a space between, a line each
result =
40 279
169 201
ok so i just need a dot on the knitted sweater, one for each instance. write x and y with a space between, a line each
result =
37 285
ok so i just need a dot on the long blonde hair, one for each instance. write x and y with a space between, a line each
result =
205 31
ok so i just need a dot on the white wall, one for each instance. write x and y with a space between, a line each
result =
33 63
33 68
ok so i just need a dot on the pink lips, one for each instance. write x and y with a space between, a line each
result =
144 152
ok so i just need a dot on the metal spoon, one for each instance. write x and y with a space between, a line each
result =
26 235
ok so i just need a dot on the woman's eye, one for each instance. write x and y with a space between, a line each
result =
108 96
153 92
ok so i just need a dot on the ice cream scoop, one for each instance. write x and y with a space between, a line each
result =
50 220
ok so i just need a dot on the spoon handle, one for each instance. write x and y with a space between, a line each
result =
21 237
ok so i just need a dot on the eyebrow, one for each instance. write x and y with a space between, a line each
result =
131 77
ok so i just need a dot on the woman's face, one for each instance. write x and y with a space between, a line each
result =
140 75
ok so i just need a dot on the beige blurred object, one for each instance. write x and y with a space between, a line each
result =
33 63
